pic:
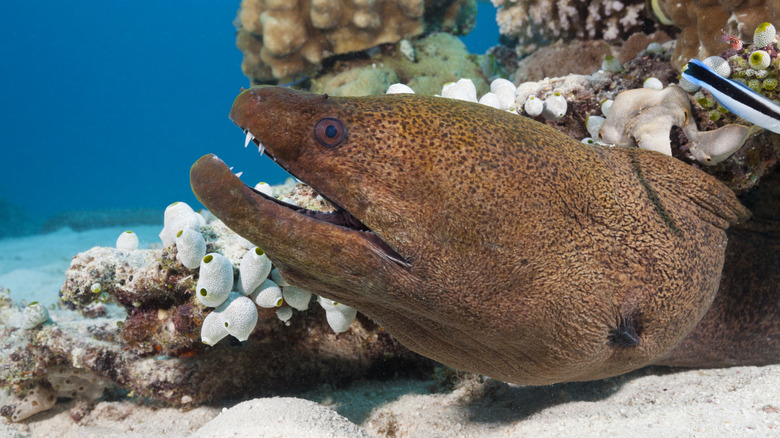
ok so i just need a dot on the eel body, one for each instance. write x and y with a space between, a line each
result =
487 241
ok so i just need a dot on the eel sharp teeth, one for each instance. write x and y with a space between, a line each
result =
249 137
260 148
236 174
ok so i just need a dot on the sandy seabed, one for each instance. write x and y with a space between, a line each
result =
655 402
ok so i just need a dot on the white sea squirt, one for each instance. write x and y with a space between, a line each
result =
268 295
240 317
178 216
399 89
190 247
254 268
764 35
505 91
127 241
533 106
296 297
339 316
264 188
284 313
605 106
35 314
215 281
490 99
277 278
555 107
213 328
463 89
593 125
653 83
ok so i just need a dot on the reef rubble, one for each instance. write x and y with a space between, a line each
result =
129 321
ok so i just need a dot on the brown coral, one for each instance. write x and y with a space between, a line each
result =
282 38
292 35
706 24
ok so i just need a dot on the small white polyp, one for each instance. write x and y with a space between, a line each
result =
190 247
555 107
254 268
216 280
593 125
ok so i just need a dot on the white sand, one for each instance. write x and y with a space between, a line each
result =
742 401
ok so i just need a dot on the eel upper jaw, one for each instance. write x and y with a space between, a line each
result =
339 217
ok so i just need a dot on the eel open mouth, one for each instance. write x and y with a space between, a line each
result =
339 216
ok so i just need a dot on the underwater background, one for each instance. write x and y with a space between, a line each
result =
107 105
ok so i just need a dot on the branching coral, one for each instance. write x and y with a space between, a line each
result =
541 21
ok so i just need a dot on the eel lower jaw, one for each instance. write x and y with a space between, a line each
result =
339 216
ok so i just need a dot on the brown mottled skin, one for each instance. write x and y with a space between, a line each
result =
523 251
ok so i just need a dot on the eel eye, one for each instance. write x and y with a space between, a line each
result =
329 132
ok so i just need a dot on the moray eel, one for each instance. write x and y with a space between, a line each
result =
486 241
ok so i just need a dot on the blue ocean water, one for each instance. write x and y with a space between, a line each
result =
107 104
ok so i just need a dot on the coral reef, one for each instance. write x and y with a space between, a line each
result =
710 27
439 58
585 94
580 57
131 319
537 23
281 39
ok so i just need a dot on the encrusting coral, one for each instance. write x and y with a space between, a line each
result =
280 39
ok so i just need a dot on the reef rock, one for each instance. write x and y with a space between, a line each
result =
537 23
129 319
